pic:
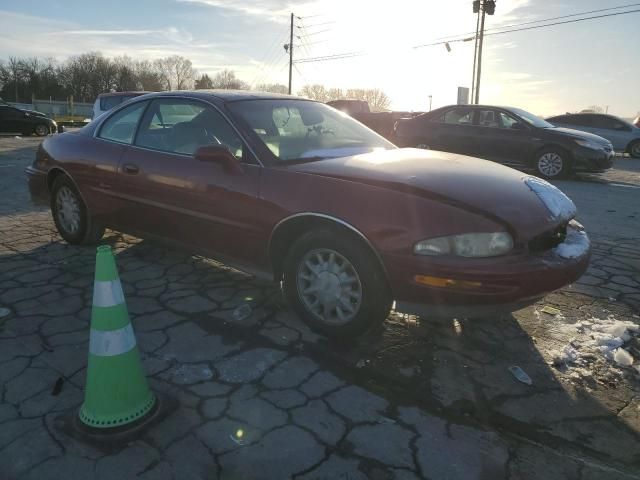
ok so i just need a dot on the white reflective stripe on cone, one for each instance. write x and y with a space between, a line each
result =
107 293
108 343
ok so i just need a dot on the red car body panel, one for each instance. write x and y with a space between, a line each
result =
391 198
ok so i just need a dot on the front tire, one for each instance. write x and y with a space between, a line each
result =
70 214
552 163
634 149
335 284
41 130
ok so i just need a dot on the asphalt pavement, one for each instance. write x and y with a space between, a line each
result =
417 399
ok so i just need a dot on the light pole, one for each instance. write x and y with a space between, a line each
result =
430 96
483 7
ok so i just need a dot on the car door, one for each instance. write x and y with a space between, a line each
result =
613 130
173 195
502 137
13 120
453 131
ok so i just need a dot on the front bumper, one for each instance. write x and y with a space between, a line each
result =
590 160
485 286
38 188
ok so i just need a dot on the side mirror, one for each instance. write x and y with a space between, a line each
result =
219 154
518 126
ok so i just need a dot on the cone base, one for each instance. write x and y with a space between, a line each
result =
121 420
116 438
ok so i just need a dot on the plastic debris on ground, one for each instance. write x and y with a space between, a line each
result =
520 375
551 310
242 312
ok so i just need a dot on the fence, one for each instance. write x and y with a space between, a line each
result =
57 109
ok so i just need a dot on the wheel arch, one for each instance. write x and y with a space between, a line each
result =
292 227
58 171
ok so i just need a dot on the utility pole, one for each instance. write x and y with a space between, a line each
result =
487 7
476 9
430 102
291 54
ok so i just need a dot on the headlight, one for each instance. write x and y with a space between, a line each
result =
467 245
589 144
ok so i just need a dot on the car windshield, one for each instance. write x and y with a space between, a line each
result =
532 119
300 130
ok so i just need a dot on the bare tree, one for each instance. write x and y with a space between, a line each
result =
378 100
176 72
148 76
204 82
314 92
272 88
226 79
14 67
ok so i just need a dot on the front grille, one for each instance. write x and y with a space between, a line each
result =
548 239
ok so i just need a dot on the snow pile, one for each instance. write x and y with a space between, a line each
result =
559 205
600 337
575 244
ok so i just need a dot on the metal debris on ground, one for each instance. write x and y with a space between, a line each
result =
520 375
551 310
242 312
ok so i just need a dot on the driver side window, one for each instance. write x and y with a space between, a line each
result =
182 126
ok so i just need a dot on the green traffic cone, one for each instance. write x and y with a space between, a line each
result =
116 392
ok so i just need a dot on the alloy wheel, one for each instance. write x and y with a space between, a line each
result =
550 164
41 130
329 286
635 150
68 210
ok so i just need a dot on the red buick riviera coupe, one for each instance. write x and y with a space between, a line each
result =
298 192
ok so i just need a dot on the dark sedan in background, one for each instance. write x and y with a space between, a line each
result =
298 192
25 122
506 135
624 136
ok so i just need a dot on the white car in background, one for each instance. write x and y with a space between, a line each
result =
624 136
106 101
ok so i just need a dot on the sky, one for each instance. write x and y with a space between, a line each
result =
546 71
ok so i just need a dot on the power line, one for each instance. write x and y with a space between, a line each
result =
315 33
359 54
545 20
319 24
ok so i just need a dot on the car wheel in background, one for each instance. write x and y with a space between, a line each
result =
41 130
70 214
552 163
336 284
634 149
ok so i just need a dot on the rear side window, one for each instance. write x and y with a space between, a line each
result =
458 116
121 126
580 120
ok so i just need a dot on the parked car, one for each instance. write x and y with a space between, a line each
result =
290 189
506 135
380 122
106 101
624 136
25 122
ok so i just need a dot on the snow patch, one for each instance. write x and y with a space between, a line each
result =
575 245
559 205
597 337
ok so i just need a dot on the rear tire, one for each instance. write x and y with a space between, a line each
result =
634 149
552 163
41 130
70 214
335 284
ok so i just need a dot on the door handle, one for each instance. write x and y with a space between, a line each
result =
130 168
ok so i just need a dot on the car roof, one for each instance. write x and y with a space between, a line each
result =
227 95
121 94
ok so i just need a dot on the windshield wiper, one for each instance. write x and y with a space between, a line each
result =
306 159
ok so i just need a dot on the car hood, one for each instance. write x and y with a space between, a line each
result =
479 186
577 134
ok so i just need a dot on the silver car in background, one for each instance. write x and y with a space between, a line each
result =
624 136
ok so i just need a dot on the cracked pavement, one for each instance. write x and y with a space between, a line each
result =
416 399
